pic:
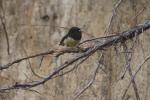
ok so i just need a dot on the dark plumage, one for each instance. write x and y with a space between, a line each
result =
72 38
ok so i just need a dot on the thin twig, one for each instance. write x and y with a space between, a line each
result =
41 61
89 83
69 50
128 61
96 39
31 66
134 75
75 67
31 90
92 79
113 15
2 17
127 52
25 58
140 12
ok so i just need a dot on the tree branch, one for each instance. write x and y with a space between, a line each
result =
2 17
122 37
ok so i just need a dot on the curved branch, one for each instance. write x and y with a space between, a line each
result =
122 37
60 52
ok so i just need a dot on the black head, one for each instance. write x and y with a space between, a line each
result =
75 33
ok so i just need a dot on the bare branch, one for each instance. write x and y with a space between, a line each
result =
133 77
141 11
113 15
122 37
2 18
128 61
75 67
68 50
61 67
131 33
89 83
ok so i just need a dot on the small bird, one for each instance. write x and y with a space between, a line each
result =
72 38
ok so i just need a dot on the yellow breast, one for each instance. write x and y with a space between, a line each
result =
71 42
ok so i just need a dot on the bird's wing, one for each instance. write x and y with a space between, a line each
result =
62 40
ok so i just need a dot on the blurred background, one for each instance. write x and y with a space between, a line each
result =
30 27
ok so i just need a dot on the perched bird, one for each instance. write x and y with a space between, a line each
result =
72 38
